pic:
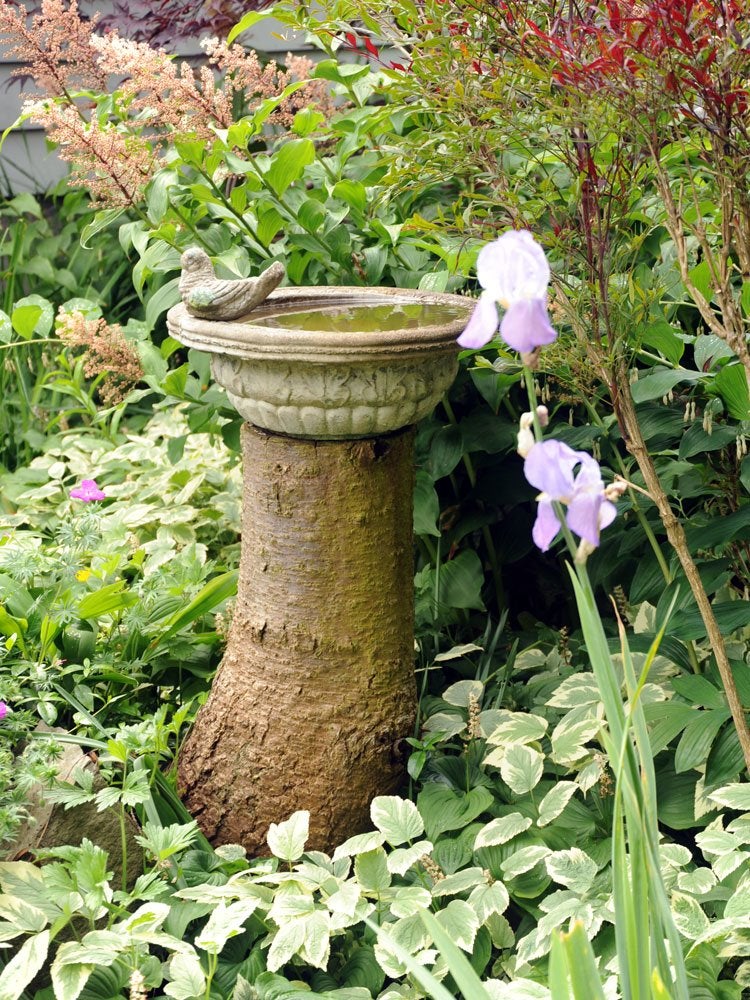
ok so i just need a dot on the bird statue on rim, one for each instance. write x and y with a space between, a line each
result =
209 297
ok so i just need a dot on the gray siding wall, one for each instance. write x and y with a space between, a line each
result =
25 162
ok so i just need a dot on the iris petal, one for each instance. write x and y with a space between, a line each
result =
482 324
583 516
549 466
526 325
546 525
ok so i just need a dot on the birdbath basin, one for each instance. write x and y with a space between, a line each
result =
334 364
316 690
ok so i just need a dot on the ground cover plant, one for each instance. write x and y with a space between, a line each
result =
580 763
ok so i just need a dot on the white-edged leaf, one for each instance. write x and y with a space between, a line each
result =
734 796
225 922
689 918
345 899
23 966
460 693
397 819
69 977
451 885
489 899
316 947
287 840
501 830
455 653
460 921
555 801
572 868
359 844
186 978
445 722
518 727
570 737
405 900
522 768
401 859
574 691
287 941
524 860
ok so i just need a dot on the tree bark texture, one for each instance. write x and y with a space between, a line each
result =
316 689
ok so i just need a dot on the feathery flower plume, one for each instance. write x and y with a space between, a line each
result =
106 351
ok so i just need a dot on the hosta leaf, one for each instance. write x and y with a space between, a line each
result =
443 809
522 768
501 830
397 819
287 840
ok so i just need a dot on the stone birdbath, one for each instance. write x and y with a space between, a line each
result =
316 690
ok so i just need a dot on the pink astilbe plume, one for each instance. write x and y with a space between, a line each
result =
105 351
114 166
54 46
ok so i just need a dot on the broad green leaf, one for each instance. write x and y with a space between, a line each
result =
186 978
460 581
555 801
522 768
25 319
731 384
698 737
696 440
501 830
371 869
221 588
106 600
443 809
397 819
102 220
663 337
661 381
23 966
287 840
289 162
572 868
246 22
426 505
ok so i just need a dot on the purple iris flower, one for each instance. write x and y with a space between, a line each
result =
513 272
88 491
3 709
549 467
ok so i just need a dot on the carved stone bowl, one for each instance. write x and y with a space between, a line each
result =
333 362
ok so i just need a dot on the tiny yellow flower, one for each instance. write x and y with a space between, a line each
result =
83 574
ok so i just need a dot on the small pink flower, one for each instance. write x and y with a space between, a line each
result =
3 710
88 491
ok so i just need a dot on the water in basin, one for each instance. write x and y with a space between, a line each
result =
376 316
